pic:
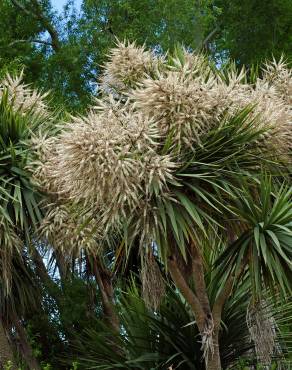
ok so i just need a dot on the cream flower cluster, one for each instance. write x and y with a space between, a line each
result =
23 98
127 65
68 232
190 99
129 144
107 159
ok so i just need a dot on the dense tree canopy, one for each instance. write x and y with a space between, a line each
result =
64 52
251 31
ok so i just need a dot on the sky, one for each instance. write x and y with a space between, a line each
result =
58 4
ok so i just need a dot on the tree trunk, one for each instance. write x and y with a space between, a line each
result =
103 280
200 305
208 320
63 266
53 289
6 353
213 362
187 293
26 349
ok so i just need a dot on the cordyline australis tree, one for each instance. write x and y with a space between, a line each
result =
22 111
173 149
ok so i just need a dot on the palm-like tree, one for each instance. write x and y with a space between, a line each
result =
22 111
177 149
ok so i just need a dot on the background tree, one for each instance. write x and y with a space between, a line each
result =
253 31
64 53
22 111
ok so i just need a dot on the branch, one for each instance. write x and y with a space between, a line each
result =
48 25
211 34
28 41
45 21
104 283
41 42
25 345
187 293
221 299
224 295
23 8
199 279
204 43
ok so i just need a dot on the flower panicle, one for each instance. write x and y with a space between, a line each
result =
127 65
23 98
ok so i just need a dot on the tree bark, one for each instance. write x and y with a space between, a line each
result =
103 279
200 305
213 361
38 14
26 349
187 293
208 319
199 280
6 353
63 266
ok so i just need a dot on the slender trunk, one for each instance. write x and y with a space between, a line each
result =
212 322
213 361
200 305
187 293
43 273
26 349
208 320
199 280
104 282
53 289
63 266
6 353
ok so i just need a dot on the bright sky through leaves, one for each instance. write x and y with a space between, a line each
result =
59 4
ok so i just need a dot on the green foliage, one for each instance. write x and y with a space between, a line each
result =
247 32
71 67
156 340
206 184
266 242
152 340
157 23
251 31
19 200
217 186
